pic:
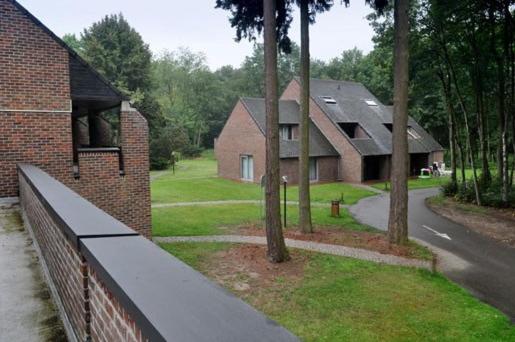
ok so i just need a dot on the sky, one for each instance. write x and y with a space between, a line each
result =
197 25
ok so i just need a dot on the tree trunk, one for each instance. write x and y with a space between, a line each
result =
398 216
277 251
305 224
468 147
446 85
477 82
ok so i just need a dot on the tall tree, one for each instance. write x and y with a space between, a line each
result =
305 223
273 17
118 52
276 247
398 217
308 8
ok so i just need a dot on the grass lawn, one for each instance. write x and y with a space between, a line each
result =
417 183
342 299
195 180
223 219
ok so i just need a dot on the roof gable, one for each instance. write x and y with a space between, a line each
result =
289 114
355 103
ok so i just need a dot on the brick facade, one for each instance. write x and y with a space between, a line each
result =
240 136
34 73
93 312
110 321
36 125
327 169
350 165
67 268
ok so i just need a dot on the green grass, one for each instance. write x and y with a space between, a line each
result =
195 180
342 299
417 183
222 219
194 254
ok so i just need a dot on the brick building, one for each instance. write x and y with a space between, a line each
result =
350 136
58 113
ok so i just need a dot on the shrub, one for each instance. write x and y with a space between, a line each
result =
466 192
490 194
191 151
163 142
450 188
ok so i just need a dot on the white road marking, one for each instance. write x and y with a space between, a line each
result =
442 235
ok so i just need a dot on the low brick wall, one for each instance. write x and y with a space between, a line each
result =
65 265
110 321
112 284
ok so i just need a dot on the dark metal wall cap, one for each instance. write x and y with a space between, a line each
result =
74 215
169 300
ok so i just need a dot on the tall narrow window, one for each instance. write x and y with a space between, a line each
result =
286 132
313 169
247 168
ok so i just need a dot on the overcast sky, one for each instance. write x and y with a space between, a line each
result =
169 24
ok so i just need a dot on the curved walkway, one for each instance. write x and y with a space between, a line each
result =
208 203
339 250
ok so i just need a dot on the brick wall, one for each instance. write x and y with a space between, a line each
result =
110 321
240 136
88 304
35 125
42 139
126 197
350 169
115 285
436 156
34 73
66 266
327 169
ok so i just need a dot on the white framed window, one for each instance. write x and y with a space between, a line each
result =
247 168
313 169
286 132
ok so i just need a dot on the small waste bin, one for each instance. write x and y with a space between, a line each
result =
335 208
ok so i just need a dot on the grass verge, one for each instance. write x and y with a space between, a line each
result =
223 219
327 298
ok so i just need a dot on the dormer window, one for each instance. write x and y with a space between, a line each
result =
371 102
328 99
286 132
354 130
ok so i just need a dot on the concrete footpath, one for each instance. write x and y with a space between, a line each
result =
27 312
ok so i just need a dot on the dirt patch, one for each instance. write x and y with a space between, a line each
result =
377 242
498 224
245 270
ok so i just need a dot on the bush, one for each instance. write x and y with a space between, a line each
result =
490 194
191 151
450 189
163 142
466 192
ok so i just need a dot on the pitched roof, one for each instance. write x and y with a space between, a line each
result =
351 106
289 114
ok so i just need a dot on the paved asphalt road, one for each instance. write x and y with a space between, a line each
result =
483 266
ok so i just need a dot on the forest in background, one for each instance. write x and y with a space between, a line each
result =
461 83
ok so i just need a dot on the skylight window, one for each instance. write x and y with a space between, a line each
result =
328 99
370 102
412 134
